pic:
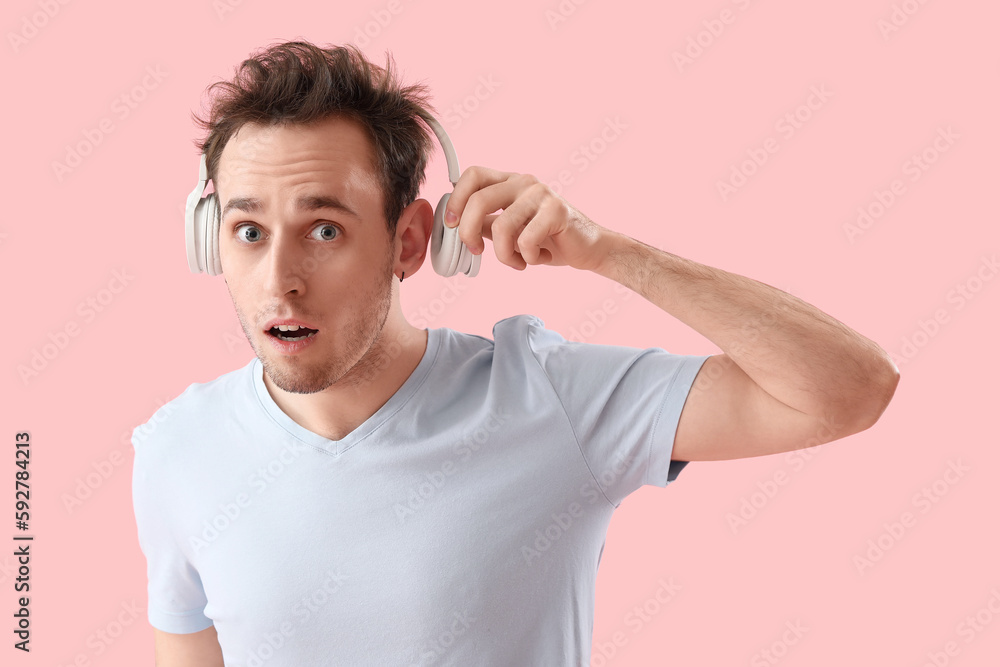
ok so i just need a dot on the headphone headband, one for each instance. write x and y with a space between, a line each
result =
449 150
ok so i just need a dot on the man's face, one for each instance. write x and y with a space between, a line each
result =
326 267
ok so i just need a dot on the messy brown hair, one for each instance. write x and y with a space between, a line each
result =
299 82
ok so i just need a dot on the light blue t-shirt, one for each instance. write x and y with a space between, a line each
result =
461 524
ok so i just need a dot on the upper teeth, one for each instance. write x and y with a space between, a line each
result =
288 327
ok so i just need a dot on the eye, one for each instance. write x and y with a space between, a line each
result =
242 239
256 235
328 237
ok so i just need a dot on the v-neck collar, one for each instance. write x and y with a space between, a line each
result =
388 409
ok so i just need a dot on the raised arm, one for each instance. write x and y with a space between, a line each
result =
790 376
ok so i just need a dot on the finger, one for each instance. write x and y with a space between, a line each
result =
506 229
531 239
472 179
488 226
478 205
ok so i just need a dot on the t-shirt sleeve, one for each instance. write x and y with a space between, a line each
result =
624 404
176 597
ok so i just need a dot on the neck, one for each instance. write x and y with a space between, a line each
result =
343 406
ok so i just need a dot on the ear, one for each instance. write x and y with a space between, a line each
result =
413 229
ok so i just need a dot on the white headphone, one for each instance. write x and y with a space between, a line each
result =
201 225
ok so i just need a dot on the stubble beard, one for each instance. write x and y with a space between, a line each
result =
355 366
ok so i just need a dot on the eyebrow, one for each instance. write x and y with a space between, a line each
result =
304 203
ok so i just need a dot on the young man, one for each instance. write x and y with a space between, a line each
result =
367 492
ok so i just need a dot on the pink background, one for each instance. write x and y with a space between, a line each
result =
555 85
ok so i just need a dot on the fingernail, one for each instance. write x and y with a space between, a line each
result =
450 219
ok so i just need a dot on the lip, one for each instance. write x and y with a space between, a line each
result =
291 347
288 322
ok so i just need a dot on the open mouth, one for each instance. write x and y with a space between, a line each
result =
291 334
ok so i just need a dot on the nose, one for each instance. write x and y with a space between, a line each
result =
283 266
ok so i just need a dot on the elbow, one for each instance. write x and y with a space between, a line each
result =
878 394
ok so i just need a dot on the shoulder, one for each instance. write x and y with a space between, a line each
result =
184 415
527 336
527 333
507 360
514 335
526 339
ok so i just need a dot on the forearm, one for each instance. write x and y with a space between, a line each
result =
792 350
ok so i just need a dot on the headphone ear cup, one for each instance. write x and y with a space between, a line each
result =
213 261
202 237
448 254
470 262
443 242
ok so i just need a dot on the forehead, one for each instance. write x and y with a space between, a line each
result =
334 150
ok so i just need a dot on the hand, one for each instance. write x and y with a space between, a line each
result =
537 226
